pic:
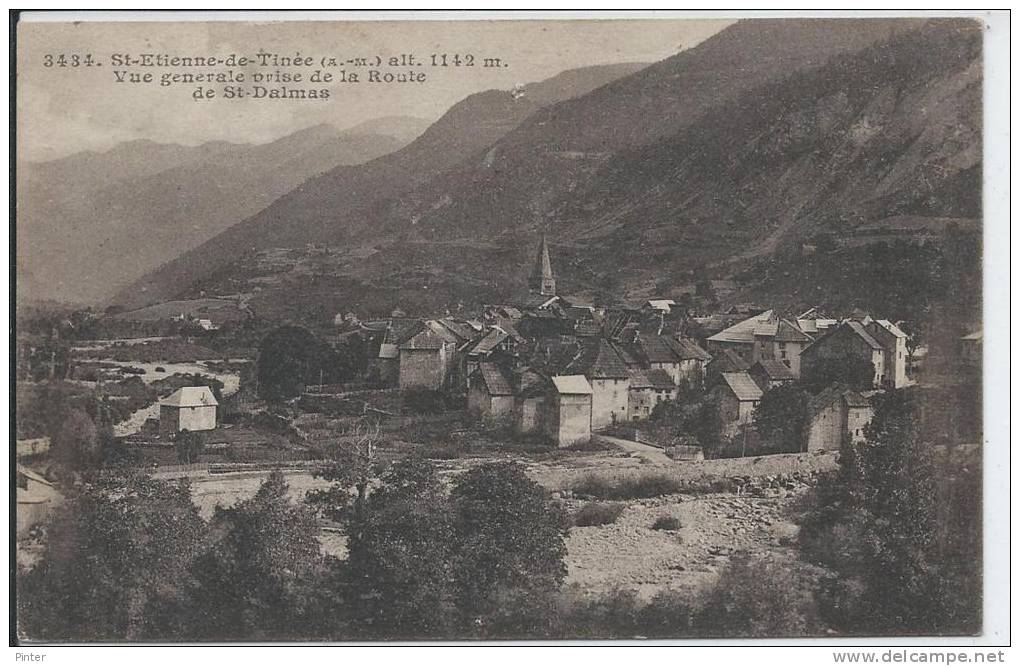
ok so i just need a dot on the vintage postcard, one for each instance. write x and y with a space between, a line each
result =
340 328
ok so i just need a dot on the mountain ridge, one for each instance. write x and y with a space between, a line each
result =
308 214
80 214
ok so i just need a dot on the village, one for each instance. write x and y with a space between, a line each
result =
563 369
651 379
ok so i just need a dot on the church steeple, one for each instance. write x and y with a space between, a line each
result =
541 279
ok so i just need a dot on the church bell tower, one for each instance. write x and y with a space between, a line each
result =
541 280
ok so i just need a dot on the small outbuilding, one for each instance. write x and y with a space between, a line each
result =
490 394
838 412
188 408
737 396
570 411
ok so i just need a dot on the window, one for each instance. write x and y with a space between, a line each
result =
782 353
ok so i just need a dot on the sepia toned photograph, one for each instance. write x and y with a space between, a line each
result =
482 329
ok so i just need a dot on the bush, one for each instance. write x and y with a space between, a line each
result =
670 614
616 614
762 597
598 513
667 523
642 487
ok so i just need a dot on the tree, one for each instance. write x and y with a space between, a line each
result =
782 418
351 464
696 419
198 379
117 551
508 544
851 370
398 568
75 442
289 358
189 446
757 599
899 477
887 526
258 577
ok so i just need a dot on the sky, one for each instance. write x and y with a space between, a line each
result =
66 110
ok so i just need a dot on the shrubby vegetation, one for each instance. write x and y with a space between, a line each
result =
903 545
888 549
782 419
693 420
667 523
598 513
291 357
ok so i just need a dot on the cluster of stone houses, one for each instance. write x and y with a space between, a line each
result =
763 350
560 366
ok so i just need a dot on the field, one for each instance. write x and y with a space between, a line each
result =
219 310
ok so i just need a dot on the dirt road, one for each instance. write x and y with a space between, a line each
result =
650 453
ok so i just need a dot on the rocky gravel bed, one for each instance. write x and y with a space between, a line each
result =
630 555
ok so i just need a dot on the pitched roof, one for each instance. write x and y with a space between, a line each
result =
388 350
891 327
787 331
571 384
399 331
598 360
190 396
576 301
656 349
835 392
614 322
766 329
489 341
663 304
427 339
742 386
816 325
495 382
536 301
728 360
972 336
651 379
626 352
859 329
512 332
445 332
461 329
742 331
688 350
855 327
814 313
774 369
